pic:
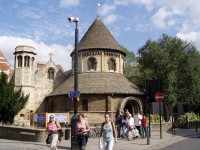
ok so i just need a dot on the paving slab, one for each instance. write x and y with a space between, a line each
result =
138 144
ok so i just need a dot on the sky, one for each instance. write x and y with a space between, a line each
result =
44 25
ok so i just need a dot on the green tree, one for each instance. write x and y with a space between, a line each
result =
130 64
11 101
177 63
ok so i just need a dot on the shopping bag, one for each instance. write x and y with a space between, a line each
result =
100 145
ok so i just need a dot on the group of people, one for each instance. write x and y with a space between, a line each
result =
131 127
108 134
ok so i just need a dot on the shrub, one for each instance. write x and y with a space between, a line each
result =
182 120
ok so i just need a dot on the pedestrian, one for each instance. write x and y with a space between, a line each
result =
144 126
137 120
53 128
108 132
85 118
130 126
82 129
120 123
124 126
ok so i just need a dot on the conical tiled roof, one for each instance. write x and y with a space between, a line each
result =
98 37
98 83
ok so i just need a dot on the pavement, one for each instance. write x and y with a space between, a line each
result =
155 142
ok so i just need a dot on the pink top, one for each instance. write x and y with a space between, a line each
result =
52 127
81 128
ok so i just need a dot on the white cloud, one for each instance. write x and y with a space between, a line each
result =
171 22
61 53
159 18
107 9
147 3
110 19
189 36
66 3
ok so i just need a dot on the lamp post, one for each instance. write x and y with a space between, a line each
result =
74 144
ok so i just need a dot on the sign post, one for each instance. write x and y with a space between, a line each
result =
159 97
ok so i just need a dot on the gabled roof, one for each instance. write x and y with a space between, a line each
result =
98 83
98 37
4 65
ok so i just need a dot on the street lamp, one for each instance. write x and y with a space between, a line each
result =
74 144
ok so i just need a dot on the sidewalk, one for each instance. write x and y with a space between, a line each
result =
138 144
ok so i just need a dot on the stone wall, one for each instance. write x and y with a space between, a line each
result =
23 134
165 127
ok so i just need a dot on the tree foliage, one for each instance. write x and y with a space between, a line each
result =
130 64
177 63
11 102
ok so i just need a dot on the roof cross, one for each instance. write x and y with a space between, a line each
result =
98 7
51 54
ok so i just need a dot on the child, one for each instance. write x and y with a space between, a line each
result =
144 126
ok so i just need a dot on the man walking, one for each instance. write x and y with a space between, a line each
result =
137 120
120 124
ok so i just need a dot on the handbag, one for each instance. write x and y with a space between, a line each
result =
60 132
100 145
48 140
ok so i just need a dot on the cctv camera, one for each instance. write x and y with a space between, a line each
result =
73 19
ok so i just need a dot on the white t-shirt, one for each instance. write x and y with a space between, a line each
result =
137 119
130 121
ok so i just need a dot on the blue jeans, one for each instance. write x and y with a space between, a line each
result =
144 131
108 143
120 126
82 141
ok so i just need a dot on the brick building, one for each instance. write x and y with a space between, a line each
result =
5 66
103 87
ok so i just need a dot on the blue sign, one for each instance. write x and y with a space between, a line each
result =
41 117
61 117
74 94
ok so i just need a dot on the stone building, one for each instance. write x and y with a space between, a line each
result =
103 87
38 84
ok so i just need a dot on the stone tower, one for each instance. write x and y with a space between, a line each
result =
24 76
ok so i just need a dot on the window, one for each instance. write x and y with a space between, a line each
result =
19 58
92 64
85 105
33 61
26 61
111 65
51 73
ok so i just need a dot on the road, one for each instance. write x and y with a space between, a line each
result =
191 143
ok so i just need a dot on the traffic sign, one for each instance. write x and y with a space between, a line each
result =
159 97
74 94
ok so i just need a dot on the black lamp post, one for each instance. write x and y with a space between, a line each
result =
74 144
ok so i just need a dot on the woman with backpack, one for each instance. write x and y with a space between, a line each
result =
53 128
108 132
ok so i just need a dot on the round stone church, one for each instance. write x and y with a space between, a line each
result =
102 85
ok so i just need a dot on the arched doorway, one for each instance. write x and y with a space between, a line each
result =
129 107
132 104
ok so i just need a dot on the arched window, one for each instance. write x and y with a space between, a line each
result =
111 65
26 61
85 105
92 64
51 73
19 58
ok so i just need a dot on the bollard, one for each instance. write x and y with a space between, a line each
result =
196 126
148 141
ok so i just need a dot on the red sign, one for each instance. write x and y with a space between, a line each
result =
159 97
